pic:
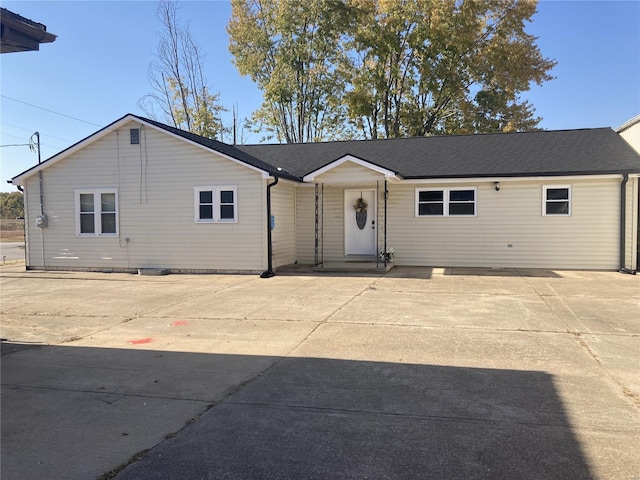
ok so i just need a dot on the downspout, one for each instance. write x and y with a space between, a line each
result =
269 272
623 223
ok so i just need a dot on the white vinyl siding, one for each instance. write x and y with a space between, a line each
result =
509 229
156 207
305 225
155 183
283 233
349 173
632 134
631 224
333 224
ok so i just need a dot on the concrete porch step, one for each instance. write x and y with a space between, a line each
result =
358 266
353 267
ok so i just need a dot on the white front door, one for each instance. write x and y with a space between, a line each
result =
360 223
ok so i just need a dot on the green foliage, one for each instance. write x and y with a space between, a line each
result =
11 205
388 68
292 51
425 67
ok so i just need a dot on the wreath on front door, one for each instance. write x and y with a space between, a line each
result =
361 205
361 212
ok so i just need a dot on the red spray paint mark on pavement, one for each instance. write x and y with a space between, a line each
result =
141 340
179 323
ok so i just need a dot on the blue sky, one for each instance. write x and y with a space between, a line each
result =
96 70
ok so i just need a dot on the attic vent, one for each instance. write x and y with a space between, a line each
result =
134 135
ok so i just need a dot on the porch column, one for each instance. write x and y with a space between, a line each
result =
386 194
319 224
316 224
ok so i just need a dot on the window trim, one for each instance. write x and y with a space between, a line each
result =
446 200
97 213
216 191
545 201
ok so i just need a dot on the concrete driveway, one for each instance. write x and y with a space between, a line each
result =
418 373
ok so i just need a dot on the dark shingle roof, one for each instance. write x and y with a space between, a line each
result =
561 152
223 148
541 153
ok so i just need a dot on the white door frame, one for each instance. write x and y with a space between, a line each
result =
349 224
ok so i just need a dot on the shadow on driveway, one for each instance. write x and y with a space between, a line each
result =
69 412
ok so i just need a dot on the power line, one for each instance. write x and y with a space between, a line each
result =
31 130
5 134
51 111
15 145
16 126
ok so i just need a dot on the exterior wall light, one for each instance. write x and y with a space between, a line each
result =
497 186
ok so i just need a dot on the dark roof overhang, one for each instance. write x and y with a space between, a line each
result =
19 34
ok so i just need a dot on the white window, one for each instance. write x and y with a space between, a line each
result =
216 204
446 202
556 200
97 212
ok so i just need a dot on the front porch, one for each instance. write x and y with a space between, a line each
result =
349 228
340 222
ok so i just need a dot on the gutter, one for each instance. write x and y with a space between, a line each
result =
623 223
268 273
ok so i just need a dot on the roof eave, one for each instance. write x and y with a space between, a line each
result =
527 175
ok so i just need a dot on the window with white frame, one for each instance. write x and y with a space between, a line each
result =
216 204
97 212
446 202
556 200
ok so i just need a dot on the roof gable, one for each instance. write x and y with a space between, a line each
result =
351 159
227 151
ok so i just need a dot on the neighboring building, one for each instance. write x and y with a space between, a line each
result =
630 131
19 34
140 194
